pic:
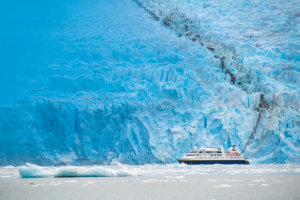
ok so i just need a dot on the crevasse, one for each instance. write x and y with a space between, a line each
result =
247 37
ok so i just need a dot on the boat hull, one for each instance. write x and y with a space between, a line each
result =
211 162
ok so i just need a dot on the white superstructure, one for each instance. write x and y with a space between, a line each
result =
213 155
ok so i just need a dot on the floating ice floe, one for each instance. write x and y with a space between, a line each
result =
170 171
223 186
91 172
33 171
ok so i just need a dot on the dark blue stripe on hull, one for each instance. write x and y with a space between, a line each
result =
211 162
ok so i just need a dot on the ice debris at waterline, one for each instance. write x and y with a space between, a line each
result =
91 172
150 170
87 82
35 171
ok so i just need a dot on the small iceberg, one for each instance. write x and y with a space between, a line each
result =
33 171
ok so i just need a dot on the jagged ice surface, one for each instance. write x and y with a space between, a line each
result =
86 82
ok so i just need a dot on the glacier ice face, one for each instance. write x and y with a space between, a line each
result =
102 80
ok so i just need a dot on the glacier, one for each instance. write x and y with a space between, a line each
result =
143 81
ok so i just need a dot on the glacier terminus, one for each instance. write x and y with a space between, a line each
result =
143 81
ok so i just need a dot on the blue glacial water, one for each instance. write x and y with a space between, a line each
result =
89 82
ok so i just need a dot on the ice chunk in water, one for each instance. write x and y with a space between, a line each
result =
97 172
33 171
66 172
90 172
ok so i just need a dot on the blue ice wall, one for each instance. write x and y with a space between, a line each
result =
86 82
